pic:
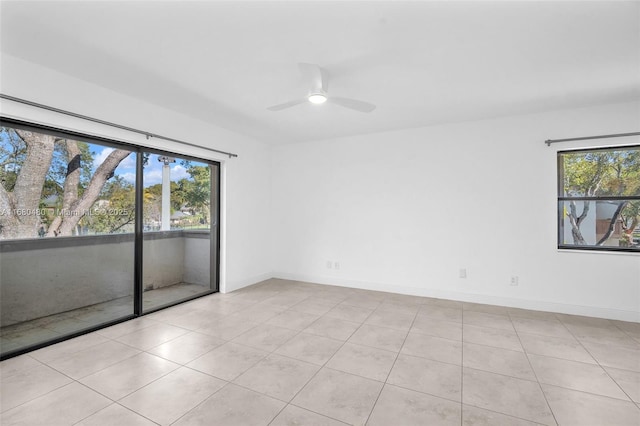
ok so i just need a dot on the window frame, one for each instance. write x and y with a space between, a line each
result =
561 198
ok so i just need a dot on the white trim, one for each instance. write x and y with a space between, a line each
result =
245 282
597 252
537 305
222 208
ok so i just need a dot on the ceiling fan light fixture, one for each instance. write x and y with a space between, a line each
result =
317 98
317 93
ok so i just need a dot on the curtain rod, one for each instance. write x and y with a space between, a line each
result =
107 123
584 138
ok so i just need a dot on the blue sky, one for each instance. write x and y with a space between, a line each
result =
127 168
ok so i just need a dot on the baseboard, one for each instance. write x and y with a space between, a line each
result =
232 285
536 305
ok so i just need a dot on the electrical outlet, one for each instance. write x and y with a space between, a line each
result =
463 272
336 265
515 280
329 264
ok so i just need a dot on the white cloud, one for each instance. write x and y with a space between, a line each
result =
99 159
153 173
152 177
178 172
129 162
129 177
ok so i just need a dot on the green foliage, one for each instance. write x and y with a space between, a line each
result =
197 191
115 208
193 192
601 173
154 191
12 154
630 215
199 194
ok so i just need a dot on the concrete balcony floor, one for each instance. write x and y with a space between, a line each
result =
27 333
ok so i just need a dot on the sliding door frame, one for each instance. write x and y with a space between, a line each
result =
214 263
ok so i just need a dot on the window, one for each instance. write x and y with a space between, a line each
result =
599 199
54 185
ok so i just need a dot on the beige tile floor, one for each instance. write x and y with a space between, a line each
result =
289 353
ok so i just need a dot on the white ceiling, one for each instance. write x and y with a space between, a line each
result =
421 63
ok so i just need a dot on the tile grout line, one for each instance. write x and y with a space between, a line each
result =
392 366
286 403
546 400
218 378
113 403
111 365
547 384
321 366
307 409
327 361
71 378
199 403
324 365
599 365
97 332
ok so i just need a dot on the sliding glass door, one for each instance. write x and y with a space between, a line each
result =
66 235
93 232
180 221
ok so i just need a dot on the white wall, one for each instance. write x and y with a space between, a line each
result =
404 211
246 184
401 211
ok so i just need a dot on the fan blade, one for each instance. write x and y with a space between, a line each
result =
353 104
287 105
318 77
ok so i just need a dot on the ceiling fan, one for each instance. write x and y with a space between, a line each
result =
318 92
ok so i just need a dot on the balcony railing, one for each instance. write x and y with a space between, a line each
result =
46 276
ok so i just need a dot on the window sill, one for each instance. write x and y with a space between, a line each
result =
623 252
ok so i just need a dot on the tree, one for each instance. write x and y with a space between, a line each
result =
40 169
623 180
152 204
630 219
198 194
193 192
115 208
76 204
602 173
12 154
19 206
